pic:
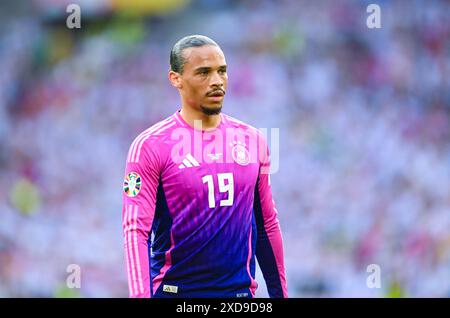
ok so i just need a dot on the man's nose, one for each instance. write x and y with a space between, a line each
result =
216 80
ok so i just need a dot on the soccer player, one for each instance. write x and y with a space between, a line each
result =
197 201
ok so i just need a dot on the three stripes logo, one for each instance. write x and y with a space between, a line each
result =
188 162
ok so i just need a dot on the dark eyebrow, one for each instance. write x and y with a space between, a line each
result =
202 69
207 68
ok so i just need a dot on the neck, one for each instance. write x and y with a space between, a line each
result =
190 116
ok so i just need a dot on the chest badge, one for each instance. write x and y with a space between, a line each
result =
239 153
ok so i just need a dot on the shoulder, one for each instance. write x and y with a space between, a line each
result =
151 139
238 124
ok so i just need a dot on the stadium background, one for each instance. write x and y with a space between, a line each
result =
364 118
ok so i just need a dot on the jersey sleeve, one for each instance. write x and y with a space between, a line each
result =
269 243
141 180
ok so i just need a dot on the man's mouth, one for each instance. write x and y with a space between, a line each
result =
216 93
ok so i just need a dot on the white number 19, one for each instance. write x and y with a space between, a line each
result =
228 187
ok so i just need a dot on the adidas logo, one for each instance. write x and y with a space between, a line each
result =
189 162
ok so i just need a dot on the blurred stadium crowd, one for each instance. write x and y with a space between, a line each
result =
364 119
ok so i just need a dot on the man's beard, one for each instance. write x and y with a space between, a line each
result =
211 111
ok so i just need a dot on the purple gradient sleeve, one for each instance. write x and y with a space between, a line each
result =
269 246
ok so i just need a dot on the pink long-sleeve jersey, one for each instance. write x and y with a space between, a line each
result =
197 209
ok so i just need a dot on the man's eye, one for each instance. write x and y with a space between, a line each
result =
222 71
203 72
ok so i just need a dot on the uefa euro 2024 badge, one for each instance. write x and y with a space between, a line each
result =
132 184
239 153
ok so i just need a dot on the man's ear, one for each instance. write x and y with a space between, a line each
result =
175 79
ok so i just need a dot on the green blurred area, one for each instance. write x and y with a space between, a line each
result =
25 197
62 291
